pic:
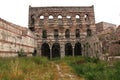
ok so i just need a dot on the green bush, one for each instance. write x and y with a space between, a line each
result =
21 53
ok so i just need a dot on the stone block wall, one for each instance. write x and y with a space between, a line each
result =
13 38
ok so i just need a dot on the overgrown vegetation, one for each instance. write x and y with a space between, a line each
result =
94 69
40 68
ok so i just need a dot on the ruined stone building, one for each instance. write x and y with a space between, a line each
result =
14 38
62 31
114 48
105 33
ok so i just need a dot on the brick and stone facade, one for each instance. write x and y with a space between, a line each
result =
114 48
13 38
61 31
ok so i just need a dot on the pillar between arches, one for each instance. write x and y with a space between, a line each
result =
73 51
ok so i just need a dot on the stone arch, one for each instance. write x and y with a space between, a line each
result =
68 49
45 50
56 50
77 49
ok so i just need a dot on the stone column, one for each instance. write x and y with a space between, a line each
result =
62 50
73 50
50 52
38 49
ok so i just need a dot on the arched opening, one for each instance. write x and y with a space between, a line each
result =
56 50
86 17
56 34
51 17
77 49
68 49
89 33
41 17
67 33
60 22
44 34
59 17
77 17
45 50
77 33
68 17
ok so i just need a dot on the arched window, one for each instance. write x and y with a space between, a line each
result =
51 20
59 17
32 20
51 17
41 21
68 17
77 17
44 34
89 33
77 33
60 22
86 17
41 17
67 33
69 21
56 33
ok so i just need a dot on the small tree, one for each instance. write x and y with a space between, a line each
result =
21 53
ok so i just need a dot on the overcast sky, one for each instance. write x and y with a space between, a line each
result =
16 11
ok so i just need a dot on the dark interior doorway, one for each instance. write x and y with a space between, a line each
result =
68 49
77 49
56 50
45 50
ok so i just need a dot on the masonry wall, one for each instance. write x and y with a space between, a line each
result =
13 38
62 19
93 47
101 26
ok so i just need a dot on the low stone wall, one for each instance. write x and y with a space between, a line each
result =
14 38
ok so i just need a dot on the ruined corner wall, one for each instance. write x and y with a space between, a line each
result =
13 38
93 47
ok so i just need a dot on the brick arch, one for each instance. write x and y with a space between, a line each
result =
68 49
56 50
45 50
77 49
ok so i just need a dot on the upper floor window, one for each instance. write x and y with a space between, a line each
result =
56 33
67 33
89 33
51 20
77 17
41 22
51 17
86 17
59 17
44 34
77 33
32 20
60 22
41 17
69 21
68 17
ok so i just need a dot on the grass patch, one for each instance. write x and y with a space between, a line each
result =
94 69
40 68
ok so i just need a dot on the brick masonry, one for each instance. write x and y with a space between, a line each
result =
13 38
